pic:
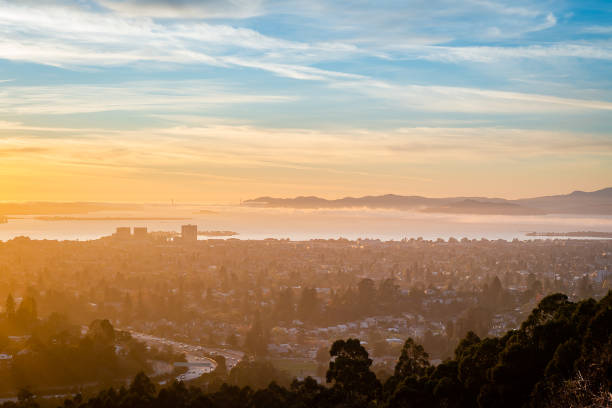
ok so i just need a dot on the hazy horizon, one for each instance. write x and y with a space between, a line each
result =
326 197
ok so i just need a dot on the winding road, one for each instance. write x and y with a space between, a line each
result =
197 361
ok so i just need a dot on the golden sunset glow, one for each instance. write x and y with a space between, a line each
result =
150 100
223 163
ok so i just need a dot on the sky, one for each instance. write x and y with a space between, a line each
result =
215 101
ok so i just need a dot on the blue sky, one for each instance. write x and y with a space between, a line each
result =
214 100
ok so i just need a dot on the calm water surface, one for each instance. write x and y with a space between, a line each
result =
257 223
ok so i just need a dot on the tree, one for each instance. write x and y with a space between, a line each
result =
284 305
101 332
255 374
366 294
493 296
25 395
142 385
388 293
232 340
475 358
141 392
546 310
256 340
27 312
308 392
10 306
584 287
349 372
221 369
413 361
308 306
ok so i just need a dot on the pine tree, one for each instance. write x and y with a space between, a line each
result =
10 306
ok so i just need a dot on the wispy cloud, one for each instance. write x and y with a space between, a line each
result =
598 29
164 97
184 96
220 145
72 37
20 151
169 96
468 100
601 51
234 9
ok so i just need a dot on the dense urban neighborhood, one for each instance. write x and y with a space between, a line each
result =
286 302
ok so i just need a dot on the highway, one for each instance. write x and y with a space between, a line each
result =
197 361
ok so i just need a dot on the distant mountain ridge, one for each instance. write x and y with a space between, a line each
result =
578 202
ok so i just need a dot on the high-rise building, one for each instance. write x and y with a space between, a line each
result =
189 233
123 233
140 233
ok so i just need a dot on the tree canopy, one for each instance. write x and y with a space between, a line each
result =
561 356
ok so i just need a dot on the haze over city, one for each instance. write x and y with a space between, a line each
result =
305 203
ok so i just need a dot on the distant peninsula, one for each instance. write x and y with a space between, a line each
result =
574 234
579 202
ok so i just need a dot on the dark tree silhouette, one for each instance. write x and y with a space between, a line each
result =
349 372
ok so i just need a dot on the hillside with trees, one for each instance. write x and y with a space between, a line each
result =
53 354
561 356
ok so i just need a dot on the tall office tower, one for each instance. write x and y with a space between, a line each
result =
189 233
140 233
123 233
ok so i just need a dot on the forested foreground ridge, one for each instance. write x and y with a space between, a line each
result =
561 356
51 354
